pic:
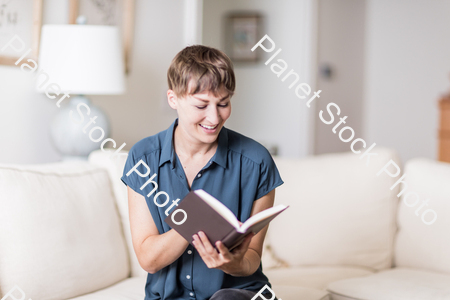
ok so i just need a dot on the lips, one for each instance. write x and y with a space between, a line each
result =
209 127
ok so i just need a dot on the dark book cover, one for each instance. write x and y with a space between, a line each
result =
201 216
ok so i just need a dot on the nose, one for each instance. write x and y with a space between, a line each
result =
213 115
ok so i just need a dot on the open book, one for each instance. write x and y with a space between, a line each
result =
206 213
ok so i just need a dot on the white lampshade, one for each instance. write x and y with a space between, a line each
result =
83 59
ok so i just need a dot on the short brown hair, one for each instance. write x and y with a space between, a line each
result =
199 68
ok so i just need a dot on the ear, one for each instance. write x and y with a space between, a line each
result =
172 99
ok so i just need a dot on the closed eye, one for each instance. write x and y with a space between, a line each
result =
203 107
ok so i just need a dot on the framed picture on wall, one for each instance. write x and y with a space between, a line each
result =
107 12
242 32
24 19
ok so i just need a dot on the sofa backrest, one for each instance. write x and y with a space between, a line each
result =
340 212
60 233
114 166
422 242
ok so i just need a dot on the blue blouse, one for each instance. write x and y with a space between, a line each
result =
240 172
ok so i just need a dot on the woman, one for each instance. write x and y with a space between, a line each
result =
198 152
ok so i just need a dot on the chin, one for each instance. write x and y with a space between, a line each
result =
208 139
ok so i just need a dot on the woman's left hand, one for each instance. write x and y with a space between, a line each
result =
233 263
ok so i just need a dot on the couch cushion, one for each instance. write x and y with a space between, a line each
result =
128 289
284 292
419 245
340 212
115 167
317 277
60 233
398 284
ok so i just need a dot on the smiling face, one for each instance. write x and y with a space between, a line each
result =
201 116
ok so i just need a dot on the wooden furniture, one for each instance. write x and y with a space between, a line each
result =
444 129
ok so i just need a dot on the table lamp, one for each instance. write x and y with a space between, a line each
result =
82 60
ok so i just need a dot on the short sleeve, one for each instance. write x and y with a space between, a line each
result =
133 172
269 177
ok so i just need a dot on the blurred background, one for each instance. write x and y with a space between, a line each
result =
385 63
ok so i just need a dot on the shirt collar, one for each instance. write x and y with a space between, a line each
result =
168 153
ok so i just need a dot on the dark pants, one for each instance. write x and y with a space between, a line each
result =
236 294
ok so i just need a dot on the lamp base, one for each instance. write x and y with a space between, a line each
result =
79 128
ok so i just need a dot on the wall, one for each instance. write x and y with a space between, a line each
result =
25 116
341 46
143 110
264 108
408 66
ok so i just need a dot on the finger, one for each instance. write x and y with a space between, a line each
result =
206 243
223 250
201 251
198 244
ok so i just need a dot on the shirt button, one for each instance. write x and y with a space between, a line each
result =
189 251
199 175
191 294
188 276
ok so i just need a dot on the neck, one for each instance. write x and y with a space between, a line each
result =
184 145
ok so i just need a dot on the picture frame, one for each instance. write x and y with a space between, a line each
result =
242 32
108 12
18 17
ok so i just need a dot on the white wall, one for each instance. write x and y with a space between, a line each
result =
25 115
143 110
408 65
264 108
407 69
341 36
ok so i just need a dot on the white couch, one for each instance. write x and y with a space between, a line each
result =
64 231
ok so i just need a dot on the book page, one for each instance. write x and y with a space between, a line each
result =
218 206
261 216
